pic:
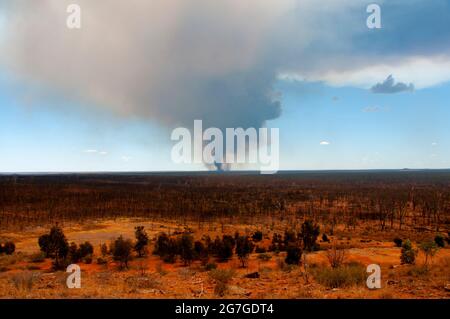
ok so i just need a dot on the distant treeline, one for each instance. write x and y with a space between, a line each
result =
392 199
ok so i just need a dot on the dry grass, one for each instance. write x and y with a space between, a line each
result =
221 277
143 282
336 256
25 280
345 276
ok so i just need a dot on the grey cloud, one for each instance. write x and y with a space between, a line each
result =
173 61
389 86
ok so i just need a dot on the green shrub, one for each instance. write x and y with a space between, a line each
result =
86 249
309 234
121 249
141 240
186 248
257 236
429 248
82 253
104 250
54 245
9 248
225 247
408 254
244 247
439 240
277 243
201 252
74 253
293 254
167 248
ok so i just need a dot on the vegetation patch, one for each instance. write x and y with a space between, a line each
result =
345 276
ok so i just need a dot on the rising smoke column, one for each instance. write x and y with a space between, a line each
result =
170 61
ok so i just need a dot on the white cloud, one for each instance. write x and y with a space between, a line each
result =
423 72
371 109
324 143
93 151
126 158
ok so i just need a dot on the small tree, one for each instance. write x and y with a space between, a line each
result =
225 247
244 248
325 238
293 254
173 250
186 248
166 248
257 236
44 245
408 254
439 240
104 250
309 234
141 240
277 243
9 248
74 253
121 250
201 252
86 249
289 237
429 248
55 246
162 245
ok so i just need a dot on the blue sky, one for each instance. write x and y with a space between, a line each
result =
362 130
53 136
106 97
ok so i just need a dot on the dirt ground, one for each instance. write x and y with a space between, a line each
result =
149 277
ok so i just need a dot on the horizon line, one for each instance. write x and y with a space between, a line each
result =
219 172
